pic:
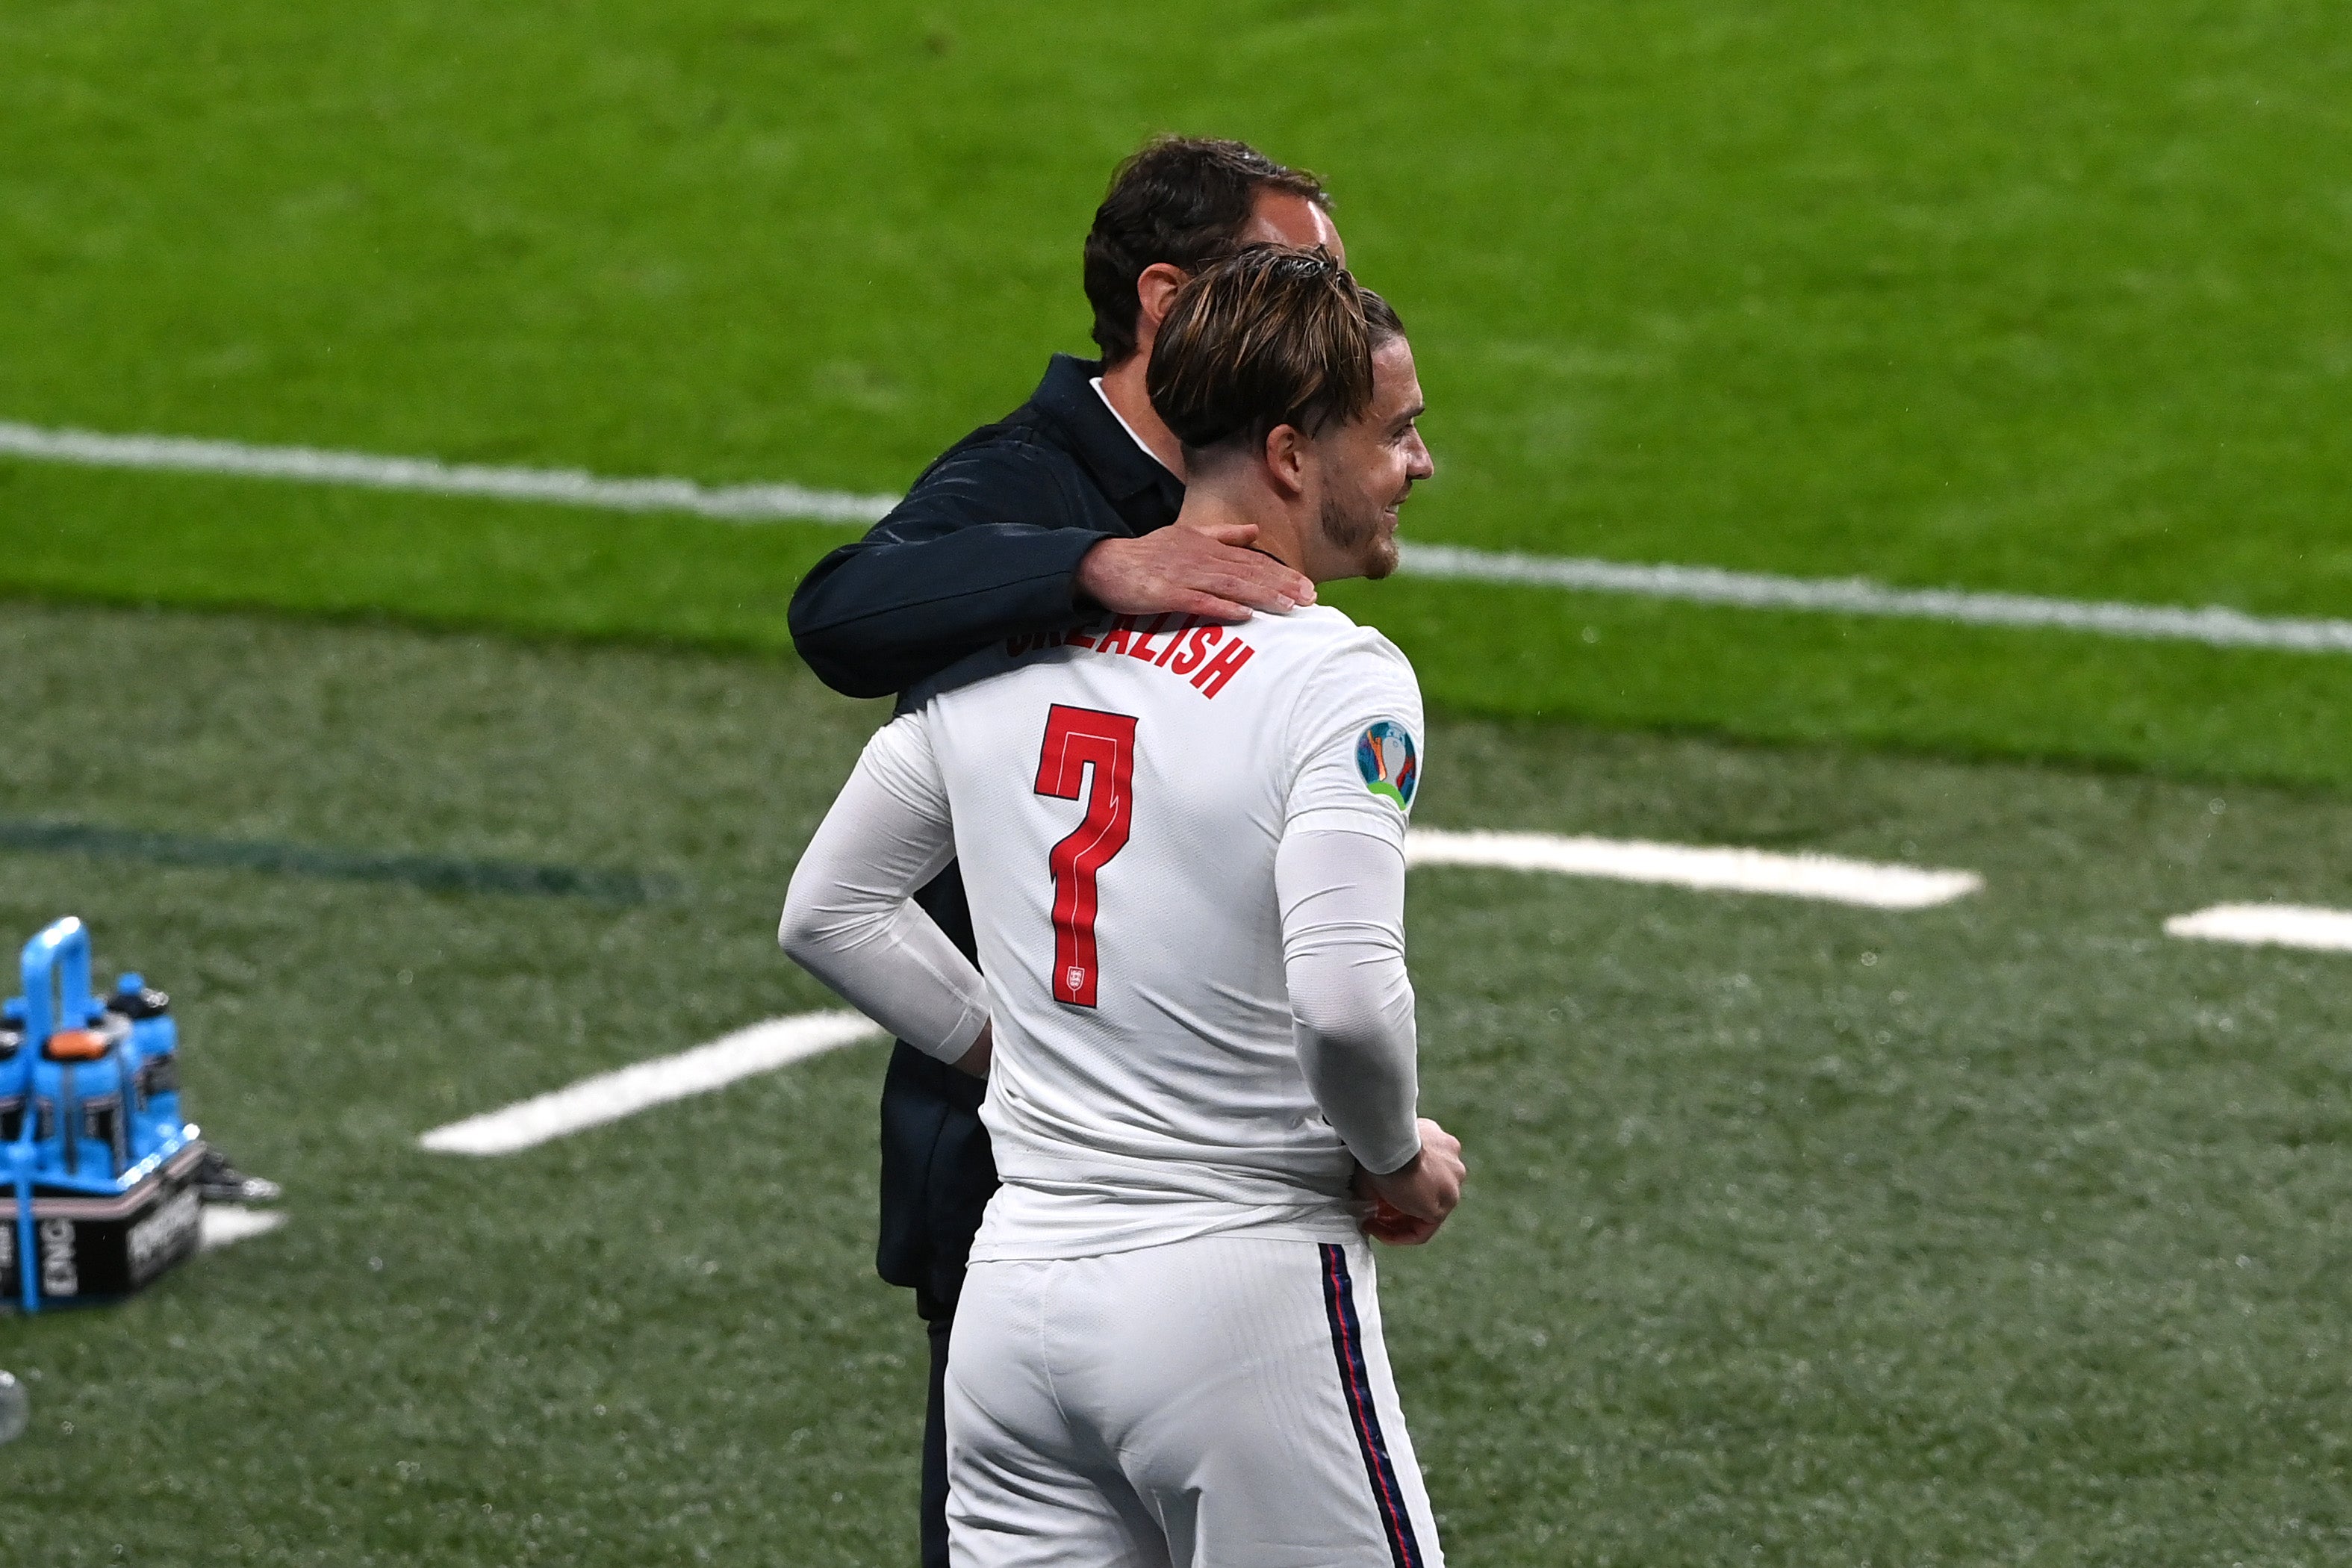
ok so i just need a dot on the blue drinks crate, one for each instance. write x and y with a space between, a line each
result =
102 1165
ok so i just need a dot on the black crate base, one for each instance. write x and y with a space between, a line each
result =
90 1249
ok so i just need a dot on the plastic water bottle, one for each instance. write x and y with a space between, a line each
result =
16 1409
151 1055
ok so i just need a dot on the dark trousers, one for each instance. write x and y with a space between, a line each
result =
935 1435
937 1177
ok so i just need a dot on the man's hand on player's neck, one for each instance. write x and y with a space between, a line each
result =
1213 572
1205 564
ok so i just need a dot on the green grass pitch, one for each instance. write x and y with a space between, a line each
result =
1992 294
2009 1232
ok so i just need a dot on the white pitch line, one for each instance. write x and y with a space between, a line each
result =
225 1224
763 1048
1829 878
608 1097
2212 626
570 486
2268 925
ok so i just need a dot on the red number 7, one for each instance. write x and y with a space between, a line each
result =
1077 740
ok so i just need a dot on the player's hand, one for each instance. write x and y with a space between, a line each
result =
1205 571
1412 1202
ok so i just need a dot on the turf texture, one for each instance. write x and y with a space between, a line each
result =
2008 1232
1985 294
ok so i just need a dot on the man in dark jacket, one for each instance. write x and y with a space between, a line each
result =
1056 512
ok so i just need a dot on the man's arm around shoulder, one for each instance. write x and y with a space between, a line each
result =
987 545
1003 538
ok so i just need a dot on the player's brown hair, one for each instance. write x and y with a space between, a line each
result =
1183 200
1269 336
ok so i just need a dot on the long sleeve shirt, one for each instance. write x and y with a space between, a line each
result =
1185 846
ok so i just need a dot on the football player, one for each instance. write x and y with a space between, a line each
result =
1185 846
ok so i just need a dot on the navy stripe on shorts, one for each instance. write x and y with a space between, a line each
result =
1348 1344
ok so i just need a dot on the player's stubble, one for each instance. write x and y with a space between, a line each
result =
1365 533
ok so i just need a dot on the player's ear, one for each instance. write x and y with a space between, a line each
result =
1287 455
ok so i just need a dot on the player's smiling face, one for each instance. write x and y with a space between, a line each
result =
1369 468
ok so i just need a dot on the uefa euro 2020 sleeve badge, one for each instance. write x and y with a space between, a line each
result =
1384 756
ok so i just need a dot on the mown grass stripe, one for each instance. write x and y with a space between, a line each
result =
432 872
608 1097
2212 626
1829 878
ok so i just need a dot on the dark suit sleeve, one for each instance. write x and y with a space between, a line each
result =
986 546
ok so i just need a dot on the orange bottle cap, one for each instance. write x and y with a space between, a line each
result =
77 1045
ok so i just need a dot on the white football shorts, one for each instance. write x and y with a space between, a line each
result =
1219 1402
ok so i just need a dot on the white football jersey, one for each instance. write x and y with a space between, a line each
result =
1117 794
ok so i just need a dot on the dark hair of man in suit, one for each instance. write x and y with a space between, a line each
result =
1182 200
